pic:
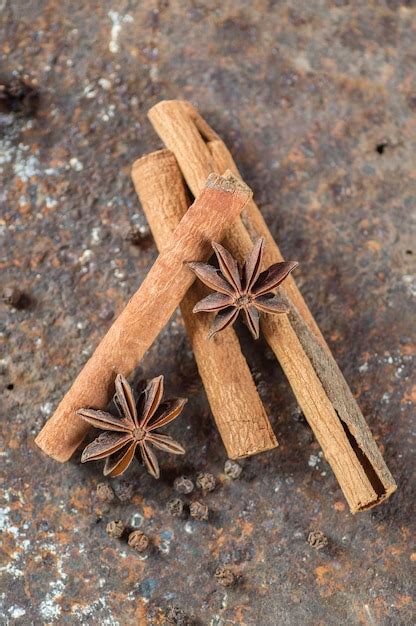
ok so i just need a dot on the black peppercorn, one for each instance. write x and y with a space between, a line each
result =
138 540
206 481
225 576
115 529
199 511
105 492
183 485
175 507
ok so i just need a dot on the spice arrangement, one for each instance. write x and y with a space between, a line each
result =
252 277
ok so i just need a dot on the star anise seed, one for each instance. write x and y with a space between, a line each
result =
134 429
246 289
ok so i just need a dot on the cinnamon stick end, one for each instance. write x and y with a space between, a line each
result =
158 155
389 490
228 182
49 446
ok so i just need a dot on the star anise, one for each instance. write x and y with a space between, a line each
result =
241 289
135 428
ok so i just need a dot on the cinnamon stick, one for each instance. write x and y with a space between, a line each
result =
317 382
235 404
216 207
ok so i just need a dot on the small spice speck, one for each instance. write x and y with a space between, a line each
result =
317 539
18 96
105 492
176 615
138 540
14 297
175 507
124 490
106 312
140 236
206 481
115 529
232 469
199 511
225 576
183 485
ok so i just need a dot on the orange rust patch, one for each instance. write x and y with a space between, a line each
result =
395 550
238 617
380 608
79 499
148 512
321 574
339 506
247 528
410 396
373 245
403 601
219 542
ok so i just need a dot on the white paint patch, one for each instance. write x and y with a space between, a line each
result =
410 283
119 274
313 460
117 22
25 168
301 63
5 523
86 257
105 84
50 202
189 528
363 368
164 545
6 152
107 114
369 614
11 569
96 236
136 520
89 91
46 409
48 609
16 612
76 164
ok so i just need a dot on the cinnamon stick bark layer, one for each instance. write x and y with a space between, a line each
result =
221 200
317 382
235 404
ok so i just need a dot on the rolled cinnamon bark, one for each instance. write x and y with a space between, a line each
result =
317 382
216 207
235 403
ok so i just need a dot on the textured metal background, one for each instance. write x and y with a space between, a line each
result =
317 102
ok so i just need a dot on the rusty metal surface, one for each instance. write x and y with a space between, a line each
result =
317 101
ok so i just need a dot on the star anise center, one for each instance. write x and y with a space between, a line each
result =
139 434
243 301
